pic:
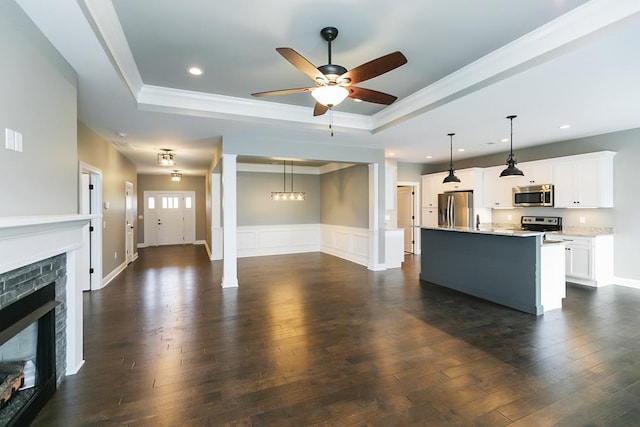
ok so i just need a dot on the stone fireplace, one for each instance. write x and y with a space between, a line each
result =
43 263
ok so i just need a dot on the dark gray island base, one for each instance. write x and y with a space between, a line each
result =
503 268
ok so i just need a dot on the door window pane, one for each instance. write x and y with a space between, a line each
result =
151 202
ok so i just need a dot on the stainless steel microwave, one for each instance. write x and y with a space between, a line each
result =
533 195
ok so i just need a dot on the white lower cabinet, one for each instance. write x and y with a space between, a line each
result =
589 260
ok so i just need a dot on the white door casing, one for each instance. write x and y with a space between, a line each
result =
129 222
90 201
405 215
170 217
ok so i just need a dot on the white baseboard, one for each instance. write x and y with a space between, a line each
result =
109 277
630 283
142 245
72 370
200 242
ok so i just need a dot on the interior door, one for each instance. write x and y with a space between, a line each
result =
405 216
129 222
85 208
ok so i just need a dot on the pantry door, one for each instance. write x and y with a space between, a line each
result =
169 218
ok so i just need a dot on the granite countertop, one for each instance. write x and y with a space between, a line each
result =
490 230
584 231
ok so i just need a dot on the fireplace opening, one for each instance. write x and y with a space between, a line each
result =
27 356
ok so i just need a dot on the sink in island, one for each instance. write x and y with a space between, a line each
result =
514 268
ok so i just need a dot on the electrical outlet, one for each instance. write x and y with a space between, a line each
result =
509 217
583 220
115 255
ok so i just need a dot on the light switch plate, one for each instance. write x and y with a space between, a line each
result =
9 139
18 142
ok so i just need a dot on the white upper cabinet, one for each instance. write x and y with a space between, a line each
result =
535 173
432 186
584 181
497 191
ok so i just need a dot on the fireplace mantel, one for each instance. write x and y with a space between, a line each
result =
29 239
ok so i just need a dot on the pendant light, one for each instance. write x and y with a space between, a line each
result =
451 178
511 170
287 195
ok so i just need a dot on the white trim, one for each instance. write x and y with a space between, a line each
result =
417 246
629 283
229 222
200 242
527 51
109 277
261 240
112 37
96 207
350 243
276 168
25 240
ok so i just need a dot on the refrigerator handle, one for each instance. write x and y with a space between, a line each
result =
453 211
451 216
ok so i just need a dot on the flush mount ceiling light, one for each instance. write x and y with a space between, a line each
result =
511 170
287 195
166 158
176 176
195 71
451 178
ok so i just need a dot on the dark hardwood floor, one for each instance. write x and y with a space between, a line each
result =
311 339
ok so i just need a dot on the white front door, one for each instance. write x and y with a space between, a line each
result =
129 222
405 216
169 218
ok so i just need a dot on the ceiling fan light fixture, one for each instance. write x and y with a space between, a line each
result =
330 96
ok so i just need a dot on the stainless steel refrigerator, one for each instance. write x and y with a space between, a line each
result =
455 209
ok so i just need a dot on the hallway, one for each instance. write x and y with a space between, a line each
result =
310 339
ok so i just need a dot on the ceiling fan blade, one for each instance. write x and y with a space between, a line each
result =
302 64
319 109
283 92
371 95
374 68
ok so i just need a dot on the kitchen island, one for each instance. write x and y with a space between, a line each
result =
514 268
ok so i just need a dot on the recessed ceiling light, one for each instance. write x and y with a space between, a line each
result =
195 71
429 157
357 100
461 149
565 126
504 140
490 143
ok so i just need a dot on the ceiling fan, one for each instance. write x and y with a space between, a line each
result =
333 82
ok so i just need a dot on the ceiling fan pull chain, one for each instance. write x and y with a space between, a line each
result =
331 121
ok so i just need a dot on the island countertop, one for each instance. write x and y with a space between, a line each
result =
489 230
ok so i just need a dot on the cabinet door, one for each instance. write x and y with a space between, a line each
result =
565 173
577 183
431 187
467 181
580 264
537 173
430 217
497 190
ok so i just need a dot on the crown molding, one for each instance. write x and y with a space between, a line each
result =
111 35
529 50
525 52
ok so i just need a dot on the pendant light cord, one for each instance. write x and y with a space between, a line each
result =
451 151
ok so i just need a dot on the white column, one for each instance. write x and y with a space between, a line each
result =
374 232
229 222
216 220
77 266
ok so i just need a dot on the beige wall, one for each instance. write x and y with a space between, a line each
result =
38 99
116 170
344 197
164 183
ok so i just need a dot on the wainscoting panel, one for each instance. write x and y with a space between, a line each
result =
260 240
349 243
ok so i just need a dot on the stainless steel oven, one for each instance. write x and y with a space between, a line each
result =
533 195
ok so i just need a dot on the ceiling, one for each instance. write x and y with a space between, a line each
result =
470 64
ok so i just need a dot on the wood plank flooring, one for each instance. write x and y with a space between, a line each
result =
311 339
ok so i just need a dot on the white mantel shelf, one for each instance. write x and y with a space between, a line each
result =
28 239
